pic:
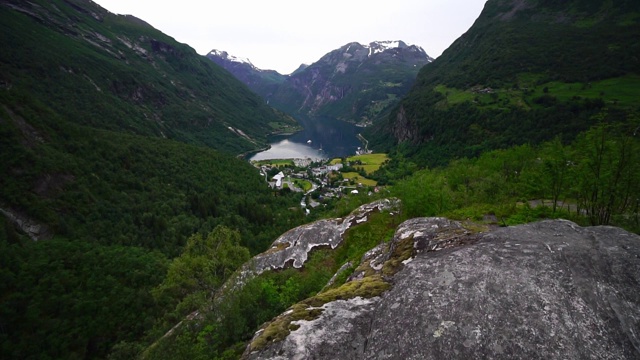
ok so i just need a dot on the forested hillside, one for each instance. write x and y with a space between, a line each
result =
117 145
525 72
115 72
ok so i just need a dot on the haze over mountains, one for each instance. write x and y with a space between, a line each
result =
356 83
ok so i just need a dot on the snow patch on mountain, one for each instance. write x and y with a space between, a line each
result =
226 55
377 47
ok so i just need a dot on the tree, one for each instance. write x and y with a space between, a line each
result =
555 160
202 267
607 172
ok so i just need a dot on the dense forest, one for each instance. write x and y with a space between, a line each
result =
107 136
114 72
118 208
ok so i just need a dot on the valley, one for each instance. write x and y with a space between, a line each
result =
160 204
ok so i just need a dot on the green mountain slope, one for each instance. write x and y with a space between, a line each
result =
118 73
262 82
108 164
526 71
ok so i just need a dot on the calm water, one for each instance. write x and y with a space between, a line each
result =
336 138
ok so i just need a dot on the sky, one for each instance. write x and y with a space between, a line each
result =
282 34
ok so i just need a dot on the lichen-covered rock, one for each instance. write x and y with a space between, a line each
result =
547 290
293 247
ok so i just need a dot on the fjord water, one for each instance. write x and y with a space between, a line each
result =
329 138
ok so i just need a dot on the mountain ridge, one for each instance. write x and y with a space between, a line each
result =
153 76
356 82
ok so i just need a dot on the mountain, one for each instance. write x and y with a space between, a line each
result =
108 163
263 82
526 71
356 82
118 73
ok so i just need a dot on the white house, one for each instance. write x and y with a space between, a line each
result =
278 179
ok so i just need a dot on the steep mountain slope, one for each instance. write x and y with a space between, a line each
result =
263 82
524 72
357 83
116 72
94 200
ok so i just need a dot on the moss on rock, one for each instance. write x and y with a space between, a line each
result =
402 251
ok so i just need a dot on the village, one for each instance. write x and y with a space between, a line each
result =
322 181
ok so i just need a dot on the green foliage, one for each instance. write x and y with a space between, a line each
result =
608 173
379 228
73 299
205 263
122 189
83 128
496 49
127 197
423 194
233 318
593 180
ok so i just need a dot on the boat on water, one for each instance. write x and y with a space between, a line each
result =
309 141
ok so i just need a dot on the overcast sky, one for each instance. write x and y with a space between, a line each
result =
282 34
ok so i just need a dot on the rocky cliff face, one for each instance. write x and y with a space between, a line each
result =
442 290
403 129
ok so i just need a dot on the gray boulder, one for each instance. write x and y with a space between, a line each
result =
547 290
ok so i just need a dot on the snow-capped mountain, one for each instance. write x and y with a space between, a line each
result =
356 82
226 56
262 82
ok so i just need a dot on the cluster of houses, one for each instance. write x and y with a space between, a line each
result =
325 169
321 176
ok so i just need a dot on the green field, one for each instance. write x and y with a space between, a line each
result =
275 162
359 179
620 91
302 184
370 162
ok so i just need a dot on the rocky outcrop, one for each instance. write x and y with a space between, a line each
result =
403 130
294 247
547 290
33 229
